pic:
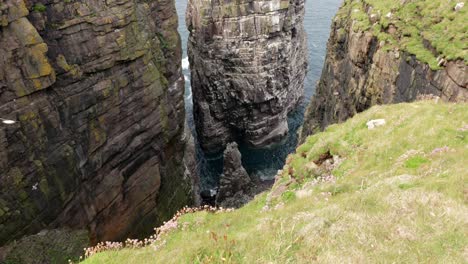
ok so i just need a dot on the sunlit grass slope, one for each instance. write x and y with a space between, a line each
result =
394 194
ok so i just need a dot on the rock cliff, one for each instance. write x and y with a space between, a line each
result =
382 52
236 186
248 63
97 92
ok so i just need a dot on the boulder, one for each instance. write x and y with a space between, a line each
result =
375 123
459 6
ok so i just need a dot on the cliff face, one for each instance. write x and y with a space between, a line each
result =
374 58
248 63
97 92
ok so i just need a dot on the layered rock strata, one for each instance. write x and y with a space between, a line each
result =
361 70
248 63
97 92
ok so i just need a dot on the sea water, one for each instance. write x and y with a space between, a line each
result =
266 162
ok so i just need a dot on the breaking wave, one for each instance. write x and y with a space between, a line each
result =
185 63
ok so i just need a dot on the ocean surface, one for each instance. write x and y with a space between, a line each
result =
265 163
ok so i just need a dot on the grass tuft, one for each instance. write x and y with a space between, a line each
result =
39 7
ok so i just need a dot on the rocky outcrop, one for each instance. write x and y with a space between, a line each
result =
235 184
248 64
362 70
236 187
47 247
97 92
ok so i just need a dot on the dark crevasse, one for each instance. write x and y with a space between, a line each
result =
265 162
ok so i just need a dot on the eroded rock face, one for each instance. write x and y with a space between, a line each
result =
97 90
248 63
359 73
235 183
46 247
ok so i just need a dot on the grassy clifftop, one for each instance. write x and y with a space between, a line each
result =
429 29
396 193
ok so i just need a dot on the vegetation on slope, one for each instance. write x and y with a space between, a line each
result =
429 29
393 194
48 246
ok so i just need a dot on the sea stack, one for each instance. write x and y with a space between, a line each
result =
248 63
235 184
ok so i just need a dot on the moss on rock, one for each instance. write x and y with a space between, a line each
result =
430 30
47 247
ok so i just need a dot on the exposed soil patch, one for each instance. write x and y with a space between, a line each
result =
323 157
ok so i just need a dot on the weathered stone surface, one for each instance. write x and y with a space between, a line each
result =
236 186
46 247
248 64
97 90
359 73
235 183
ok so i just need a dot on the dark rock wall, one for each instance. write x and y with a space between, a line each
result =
97 90
359 73
248 64
235 182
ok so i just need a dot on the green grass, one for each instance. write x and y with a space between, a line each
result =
39 8
415 162
395 200
417 21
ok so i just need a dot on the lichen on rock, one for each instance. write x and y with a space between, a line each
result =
99 140
46 247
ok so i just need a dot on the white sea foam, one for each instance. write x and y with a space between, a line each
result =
188 94
185 63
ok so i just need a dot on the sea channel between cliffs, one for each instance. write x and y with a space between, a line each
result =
264 163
